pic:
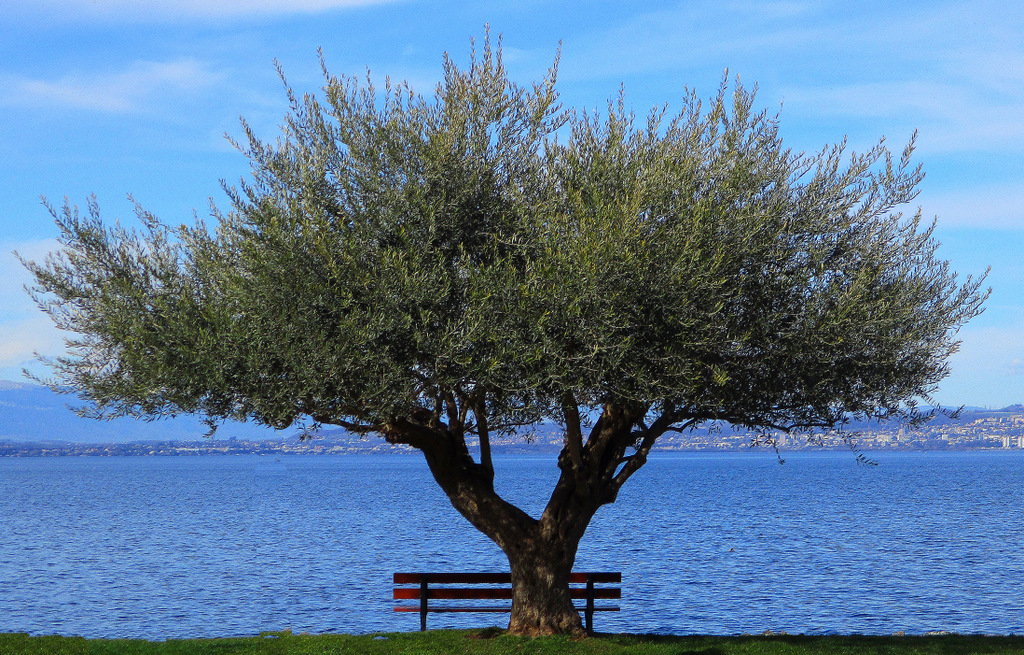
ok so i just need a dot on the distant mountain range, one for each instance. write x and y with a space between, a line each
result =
32 413
29 412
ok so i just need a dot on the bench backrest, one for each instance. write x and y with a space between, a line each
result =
499 585
424 587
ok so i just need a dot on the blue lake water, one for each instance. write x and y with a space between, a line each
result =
171 547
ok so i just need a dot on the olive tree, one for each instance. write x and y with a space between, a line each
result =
440 270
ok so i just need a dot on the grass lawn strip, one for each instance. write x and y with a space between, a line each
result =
493 642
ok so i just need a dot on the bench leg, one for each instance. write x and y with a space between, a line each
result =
423 604
589 613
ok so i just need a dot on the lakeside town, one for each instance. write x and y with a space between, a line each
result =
972 430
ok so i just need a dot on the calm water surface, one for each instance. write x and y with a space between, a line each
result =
171 547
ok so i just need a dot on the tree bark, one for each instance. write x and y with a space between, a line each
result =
541 552
541 603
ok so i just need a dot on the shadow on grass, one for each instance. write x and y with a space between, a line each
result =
947 644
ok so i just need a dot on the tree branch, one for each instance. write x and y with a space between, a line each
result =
454 424
480 411
646 442
351 426
573 432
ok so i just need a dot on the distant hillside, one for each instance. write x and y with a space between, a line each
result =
29 412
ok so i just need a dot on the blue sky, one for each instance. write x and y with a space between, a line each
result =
118 96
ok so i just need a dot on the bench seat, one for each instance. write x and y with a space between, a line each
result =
428 588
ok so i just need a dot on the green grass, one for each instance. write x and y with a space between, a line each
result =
493 642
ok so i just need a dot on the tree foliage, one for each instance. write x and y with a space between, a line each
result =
439 268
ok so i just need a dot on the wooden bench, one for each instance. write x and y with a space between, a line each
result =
450 587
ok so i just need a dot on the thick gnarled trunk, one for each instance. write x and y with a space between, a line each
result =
541 563
541 601
541 552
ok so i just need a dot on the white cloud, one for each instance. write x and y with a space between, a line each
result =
120 91
13 276
956 71
991 207
20 339
952 117
986 370
689 36
171 10
24 329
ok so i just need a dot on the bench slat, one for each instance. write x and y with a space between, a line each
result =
416 608
455 593
503 610
602 577
454 578
500 593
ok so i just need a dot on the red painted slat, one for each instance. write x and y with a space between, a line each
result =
598 593
410 608
416 608
456 593
499 593
454 578
600 577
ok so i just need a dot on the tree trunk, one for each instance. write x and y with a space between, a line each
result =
541 552
541 604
